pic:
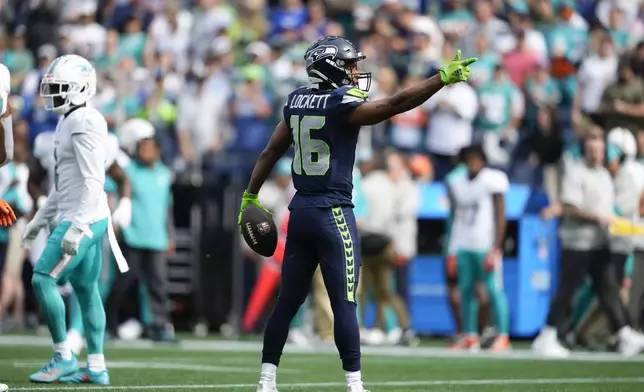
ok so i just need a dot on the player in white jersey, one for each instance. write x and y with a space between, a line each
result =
77 212
7 217
478 231
41 179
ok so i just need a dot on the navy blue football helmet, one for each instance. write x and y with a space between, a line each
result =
332 62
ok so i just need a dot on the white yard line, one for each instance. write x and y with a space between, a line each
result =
158 366
542 381
256 347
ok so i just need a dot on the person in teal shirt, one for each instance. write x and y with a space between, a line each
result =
482 70
541 90
496 98
132 42
148 238
18 59
456 18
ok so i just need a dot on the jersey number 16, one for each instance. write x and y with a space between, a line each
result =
312 156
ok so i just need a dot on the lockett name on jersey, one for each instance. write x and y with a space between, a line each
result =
309 101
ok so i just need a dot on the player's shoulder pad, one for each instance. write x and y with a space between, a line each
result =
350 94
456 173
496 181
43 144
88 120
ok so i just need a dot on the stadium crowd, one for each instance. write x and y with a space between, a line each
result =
211 76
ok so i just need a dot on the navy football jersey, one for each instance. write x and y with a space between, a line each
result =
324 144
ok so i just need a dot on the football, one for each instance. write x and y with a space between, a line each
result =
259 231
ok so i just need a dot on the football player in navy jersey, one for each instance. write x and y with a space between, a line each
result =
322 122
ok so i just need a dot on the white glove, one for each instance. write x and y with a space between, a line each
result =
122 215
71 241
31 231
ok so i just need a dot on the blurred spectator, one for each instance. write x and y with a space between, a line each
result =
170 31
456 18
250 109
111 56
597 72
496 31
497 121
43 18
212 19
622 104
17 58
540 152
483 69
88 37
132 41
521 61
291 16
160 110
31 85
317 22
407 128
451 111
540 90
520 20
202 125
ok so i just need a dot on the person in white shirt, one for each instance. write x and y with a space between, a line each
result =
454 107
88 38
595 74
77 212
478 232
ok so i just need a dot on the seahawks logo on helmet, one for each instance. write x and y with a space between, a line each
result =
320 53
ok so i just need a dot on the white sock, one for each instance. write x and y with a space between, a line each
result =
96 362
64 350
624 332
353 378
269 374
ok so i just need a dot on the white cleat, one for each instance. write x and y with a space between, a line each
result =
265 387
547 345
631 342
75 341
356 388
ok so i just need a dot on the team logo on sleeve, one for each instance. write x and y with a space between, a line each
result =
320 53
263 228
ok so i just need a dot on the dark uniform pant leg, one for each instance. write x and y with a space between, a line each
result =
122 284
636 296
573 269
339 257
298 266
155 275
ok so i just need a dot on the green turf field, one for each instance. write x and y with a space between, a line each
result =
234 366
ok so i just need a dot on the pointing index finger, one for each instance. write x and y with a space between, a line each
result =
470 60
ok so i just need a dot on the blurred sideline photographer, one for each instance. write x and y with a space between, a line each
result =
591 324
588 209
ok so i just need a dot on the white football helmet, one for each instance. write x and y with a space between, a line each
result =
624 140
132 132
70 81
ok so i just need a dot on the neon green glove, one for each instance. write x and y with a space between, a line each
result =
458 70
247 199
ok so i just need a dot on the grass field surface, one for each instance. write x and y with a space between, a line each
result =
234 366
